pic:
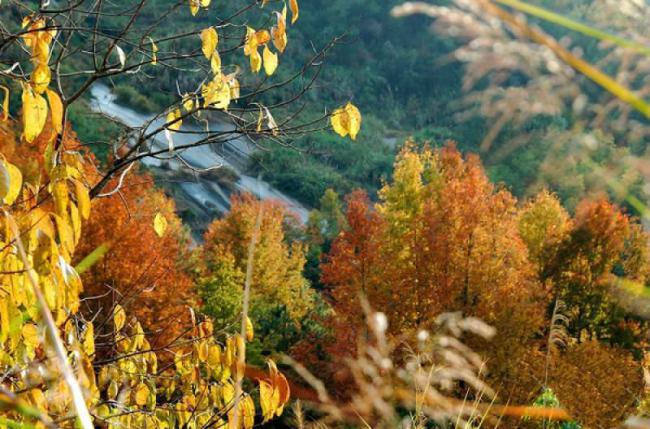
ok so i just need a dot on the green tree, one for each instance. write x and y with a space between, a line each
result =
324 224
220 289
280 295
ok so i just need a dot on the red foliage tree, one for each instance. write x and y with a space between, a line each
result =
141 271
441 238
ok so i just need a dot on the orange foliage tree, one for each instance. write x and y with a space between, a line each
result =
441 238
141 271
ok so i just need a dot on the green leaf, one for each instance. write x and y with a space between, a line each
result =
92 258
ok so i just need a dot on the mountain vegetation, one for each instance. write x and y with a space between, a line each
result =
476 253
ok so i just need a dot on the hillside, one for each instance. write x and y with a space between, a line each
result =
316 214
405 79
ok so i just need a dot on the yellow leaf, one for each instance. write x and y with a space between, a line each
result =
15 183
233 83
138 336
284 17
5 103
113 390
215 63
29 333
270 122
279 31
340 122
205 3
250 332
61 197
89 340
279 383
194 7
214 356
41 77
346 121
230 352
248 412
280 41
354 116
41 49
37 397
244 414
250 44
173 120
141 394
209 41
216 93
262 37
34 113
83 199
295 11
5 180
4 318
56 109
269 400
119 317
256 61
188 102
103 411
154 50
203 351
270 61
159 224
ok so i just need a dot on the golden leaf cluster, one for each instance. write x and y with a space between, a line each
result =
274 392
38 38
277 36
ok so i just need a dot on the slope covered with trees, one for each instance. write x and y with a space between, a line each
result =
443 237
430 295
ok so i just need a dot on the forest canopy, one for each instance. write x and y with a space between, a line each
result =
309 214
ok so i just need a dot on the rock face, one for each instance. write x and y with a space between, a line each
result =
201 179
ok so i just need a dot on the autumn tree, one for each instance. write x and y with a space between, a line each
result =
279 292
543 225
144 272
353 267
597 384
440 238
584 260
444 238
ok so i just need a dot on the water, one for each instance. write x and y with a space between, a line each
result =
207 194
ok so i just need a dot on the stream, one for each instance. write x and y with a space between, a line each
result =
199 193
